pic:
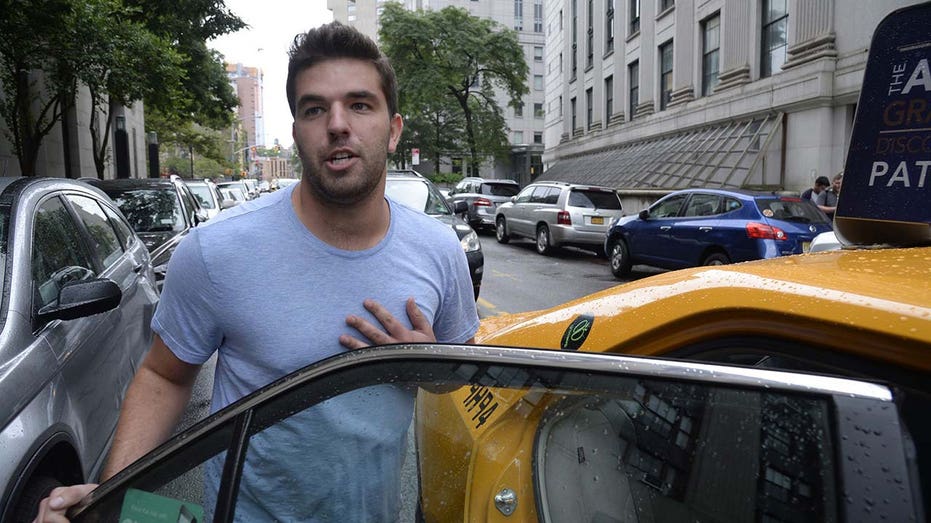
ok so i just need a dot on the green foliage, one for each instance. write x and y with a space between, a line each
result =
445 178
122 51
449 66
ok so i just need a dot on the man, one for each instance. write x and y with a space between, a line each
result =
332 241
827 200
821 183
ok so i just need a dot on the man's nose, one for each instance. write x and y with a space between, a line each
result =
338 123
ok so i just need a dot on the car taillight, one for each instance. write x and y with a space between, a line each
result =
482 202
563 218
762 231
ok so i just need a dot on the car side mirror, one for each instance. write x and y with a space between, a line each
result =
644 214
200 216
460 207
226 204
513 199
82 298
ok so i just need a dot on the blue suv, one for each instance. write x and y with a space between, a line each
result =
696 227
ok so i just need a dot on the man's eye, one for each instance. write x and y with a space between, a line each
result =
312 111
360 106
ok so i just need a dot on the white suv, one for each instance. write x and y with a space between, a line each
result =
558 214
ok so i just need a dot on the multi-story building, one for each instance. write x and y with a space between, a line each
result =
654 95
526 123
247 84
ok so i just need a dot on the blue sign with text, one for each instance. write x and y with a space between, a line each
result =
888 169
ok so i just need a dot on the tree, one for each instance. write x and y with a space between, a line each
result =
38 58
463 60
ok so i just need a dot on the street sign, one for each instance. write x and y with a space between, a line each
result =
887 186
415 156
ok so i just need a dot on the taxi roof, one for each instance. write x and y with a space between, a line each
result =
869 303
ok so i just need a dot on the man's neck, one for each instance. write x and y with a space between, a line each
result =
353 228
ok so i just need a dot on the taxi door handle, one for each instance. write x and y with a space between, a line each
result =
665 227
704 228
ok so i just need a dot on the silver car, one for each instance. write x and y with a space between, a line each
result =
78 295
482 197
557 214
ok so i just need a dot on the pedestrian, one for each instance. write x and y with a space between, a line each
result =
821 184
827 200
332 242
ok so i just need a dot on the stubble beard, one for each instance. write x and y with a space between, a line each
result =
347 189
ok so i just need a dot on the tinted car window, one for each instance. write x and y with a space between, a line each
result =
499 189
416 195
791 209
594 199
668 207
106 245
203 195
525 195
703 205
150 210
123 230
57 254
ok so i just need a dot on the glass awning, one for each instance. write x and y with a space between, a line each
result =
724 155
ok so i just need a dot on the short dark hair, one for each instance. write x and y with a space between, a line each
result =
822 180
335 40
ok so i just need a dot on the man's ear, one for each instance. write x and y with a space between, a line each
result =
397 125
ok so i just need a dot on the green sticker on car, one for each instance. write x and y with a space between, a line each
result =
577 332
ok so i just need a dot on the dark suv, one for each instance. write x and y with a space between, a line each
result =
410 188
482 196
160 210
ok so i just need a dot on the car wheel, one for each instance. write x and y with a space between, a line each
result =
501 230
36 489
543 240
620 259
716 258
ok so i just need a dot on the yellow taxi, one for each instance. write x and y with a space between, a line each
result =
862 313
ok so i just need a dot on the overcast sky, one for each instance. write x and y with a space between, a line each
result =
272 26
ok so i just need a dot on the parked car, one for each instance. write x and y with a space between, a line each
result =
161 211
826 241
78 294
233 193
208 196
482 197
696 227
239 186
558 214
414 190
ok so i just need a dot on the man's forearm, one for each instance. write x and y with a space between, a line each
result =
151 409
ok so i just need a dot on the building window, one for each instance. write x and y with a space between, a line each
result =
457 165
537 16
775 24
609 26
590 35
538 82
633 80
560 106
634 16
573 113
518 15
560 19
517 137
575 38
666 4
560 62
538 110
609 98
519 110
537 53
588 108
537 137
711 46
665 74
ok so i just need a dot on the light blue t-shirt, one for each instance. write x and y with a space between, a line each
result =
270 297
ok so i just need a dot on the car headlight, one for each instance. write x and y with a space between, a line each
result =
470 242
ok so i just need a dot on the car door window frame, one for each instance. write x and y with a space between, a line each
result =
91 240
